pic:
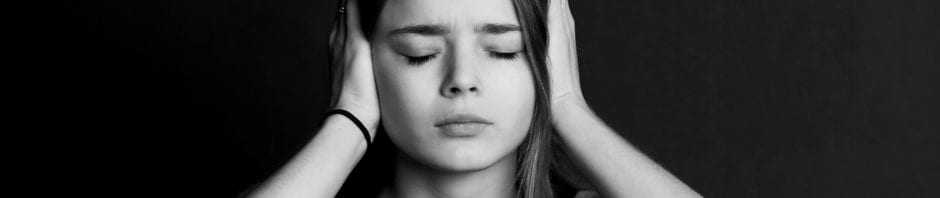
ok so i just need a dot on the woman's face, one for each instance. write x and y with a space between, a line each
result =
455 89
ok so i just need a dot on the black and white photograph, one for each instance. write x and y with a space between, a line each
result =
475 98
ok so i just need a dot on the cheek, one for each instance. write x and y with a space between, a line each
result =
405 96
512 100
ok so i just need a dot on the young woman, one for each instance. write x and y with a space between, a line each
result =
474 95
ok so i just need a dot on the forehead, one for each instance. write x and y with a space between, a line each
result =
453 13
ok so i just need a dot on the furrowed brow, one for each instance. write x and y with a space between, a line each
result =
431 30
497 28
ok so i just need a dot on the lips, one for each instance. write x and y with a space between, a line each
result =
462 125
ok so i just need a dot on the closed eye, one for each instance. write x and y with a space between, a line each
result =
419 60
507 56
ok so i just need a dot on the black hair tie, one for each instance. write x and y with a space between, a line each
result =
362 128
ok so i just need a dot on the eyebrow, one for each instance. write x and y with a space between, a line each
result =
437 29
420 29
497 28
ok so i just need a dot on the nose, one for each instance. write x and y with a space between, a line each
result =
461 79
457 90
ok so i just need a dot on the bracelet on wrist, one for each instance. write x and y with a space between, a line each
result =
362 128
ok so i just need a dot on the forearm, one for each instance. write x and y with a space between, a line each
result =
615 167
322 166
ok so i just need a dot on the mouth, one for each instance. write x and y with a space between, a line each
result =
462 125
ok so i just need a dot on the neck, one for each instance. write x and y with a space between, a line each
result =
413 179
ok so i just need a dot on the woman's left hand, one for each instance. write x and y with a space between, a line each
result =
563 56
613 167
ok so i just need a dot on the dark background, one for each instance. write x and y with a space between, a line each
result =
801 98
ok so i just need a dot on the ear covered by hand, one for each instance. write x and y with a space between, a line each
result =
351 64
563 55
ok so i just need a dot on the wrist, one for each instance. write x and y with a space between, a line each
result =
562 105
570 110
368 118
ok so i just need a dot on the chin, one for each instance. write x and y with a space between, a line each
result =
462 156
468 161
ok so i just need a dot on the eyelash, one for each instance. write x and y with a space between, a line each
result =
507 56
419 60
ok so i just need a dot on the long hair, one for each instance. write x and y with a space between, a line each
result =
535 153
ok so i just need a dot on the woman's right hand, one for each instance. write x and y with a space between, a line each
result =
353 83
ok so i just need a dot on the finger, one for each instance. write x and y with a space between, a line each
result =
563 60
554 13
358 50
337 52
572 46
354 32
334 28
558 44
338 34
555 29
358 54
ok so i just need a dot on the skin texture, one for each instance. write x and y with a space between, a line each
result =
462 77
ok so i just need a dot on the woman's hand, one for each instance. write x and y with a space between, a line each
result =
563 56
614 167
321 167
351 64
